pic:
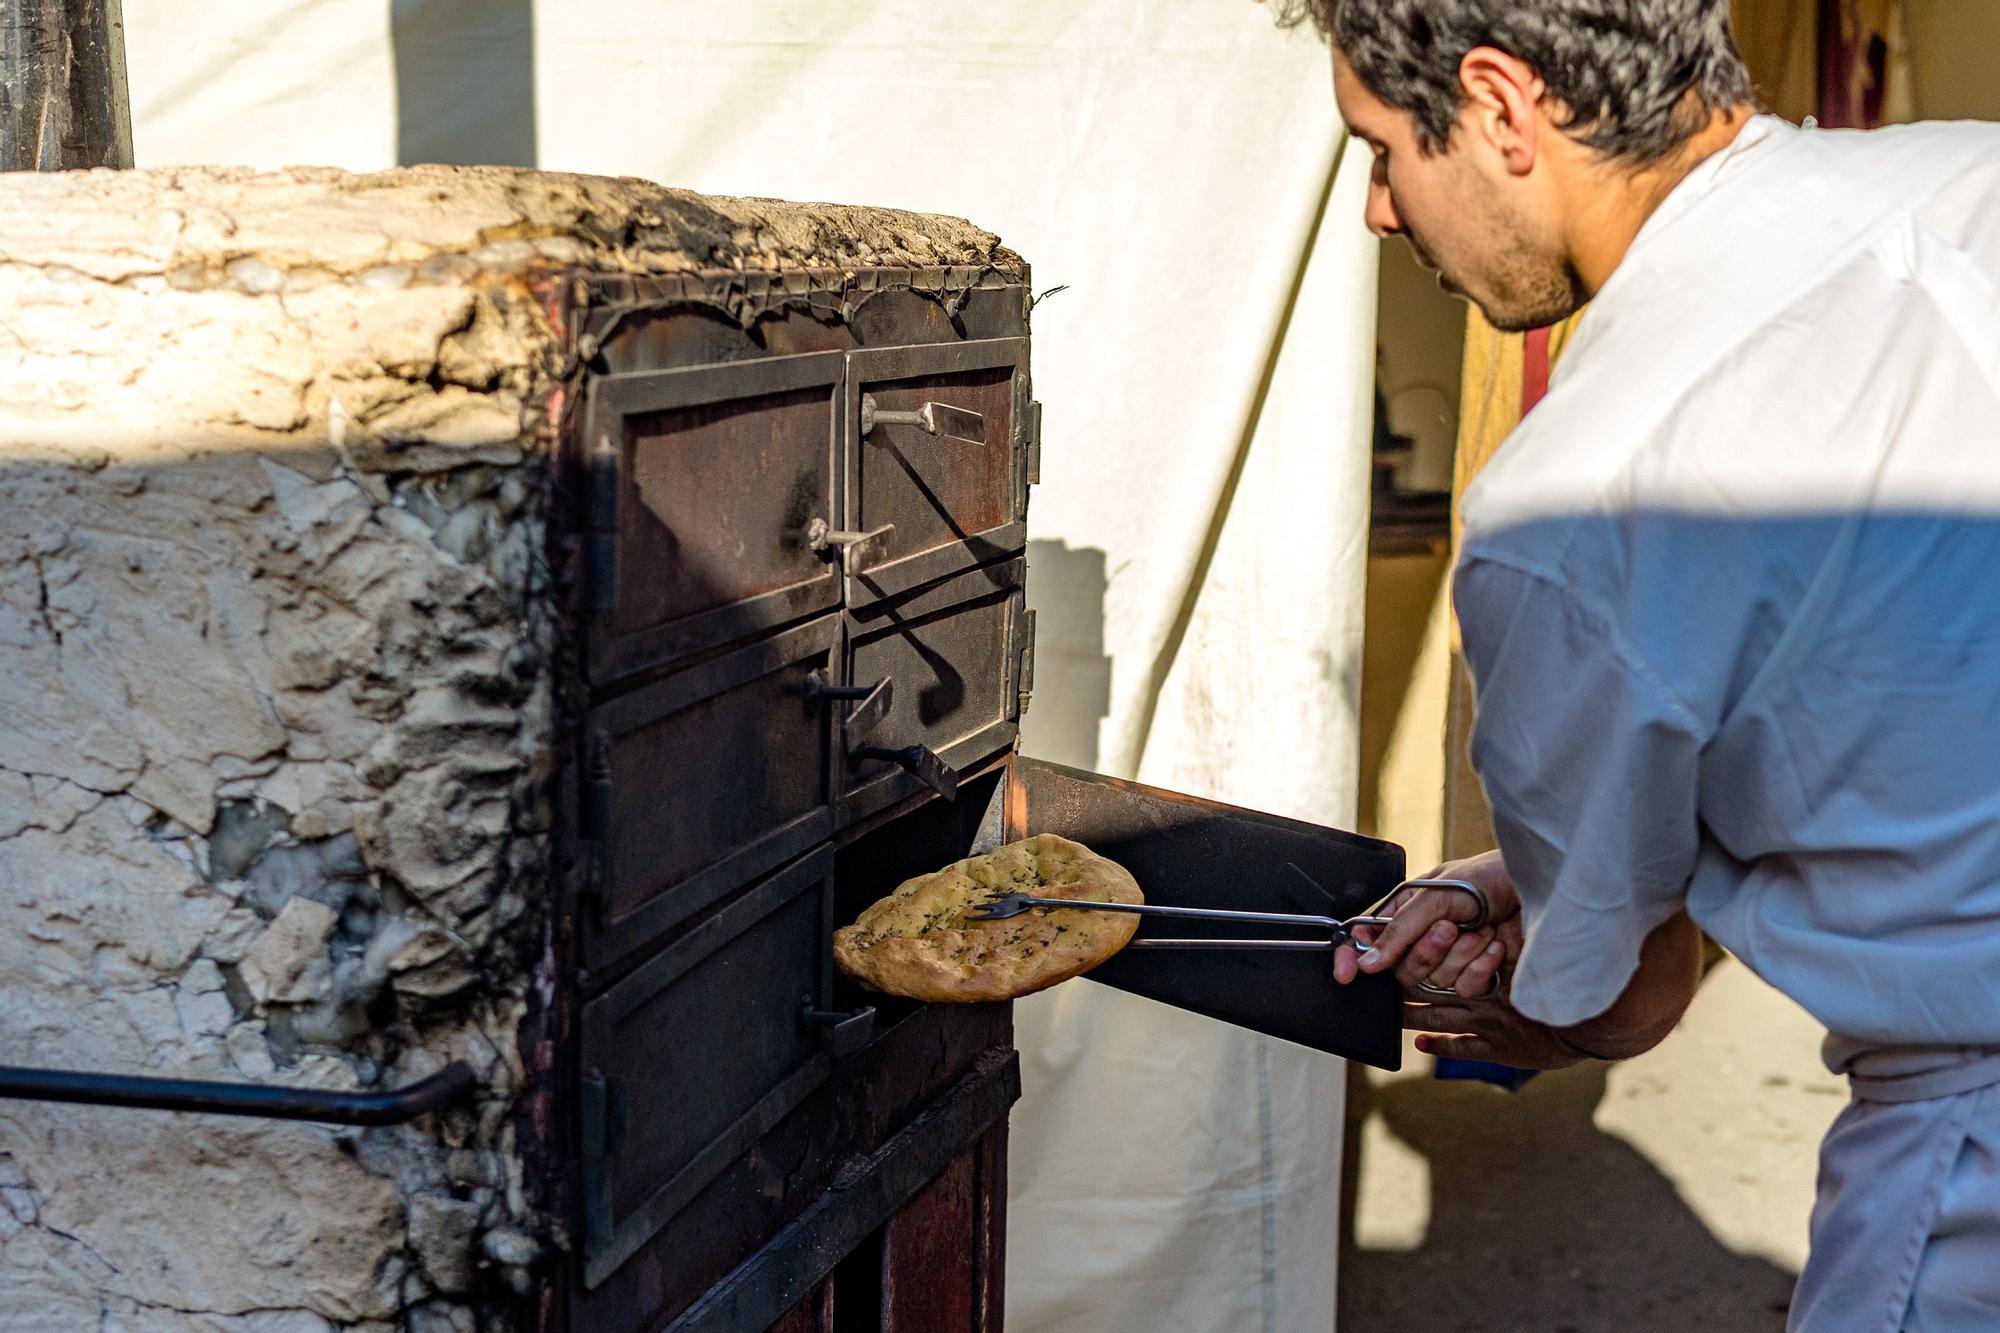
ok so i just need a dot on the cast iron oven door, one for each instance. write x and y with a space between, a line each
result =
710 506
694 1056
667 840
936 459
953 654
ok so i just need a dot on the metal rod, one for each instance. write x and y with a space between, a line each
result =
1153 942
455 1081
1198 913
63 99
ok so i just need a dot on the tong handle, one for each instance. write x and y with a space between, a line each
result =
1483 908
1271 946
1195 913
1482 913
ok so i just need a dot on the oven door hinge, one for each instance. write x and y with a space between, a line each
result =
601 468
1028 435
596 823
1024 664
1034 445
604 1115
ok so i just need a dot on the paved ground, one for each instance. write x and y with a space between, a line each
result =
1663 1195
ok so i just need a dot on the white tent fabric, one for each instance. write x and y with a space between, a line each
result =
1200 529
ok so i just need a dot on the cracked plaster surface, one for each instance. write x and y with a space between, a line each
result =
277 712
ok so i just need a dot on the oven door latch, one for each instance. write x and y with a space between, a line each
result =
871 703
846 1032
858 551
870 710
918 760
957 424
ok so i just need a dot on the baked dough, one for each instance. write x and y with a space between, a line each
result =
917 942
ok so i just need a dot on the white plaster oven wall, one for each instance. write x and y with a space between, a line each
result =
272 735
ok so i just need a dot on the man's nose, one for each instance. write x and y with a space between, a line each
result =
1381 214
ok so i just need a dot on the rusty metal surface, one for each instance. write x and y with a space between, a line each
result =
813 1166
950 670
795 310
990 1236
953 505
930 1248
867 1196
703 780
814 1314
705 482
1187 852
743 1128
943 1253
694 1057
954 650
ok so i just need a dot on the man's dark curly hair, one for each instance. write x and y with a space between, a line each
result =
1636 78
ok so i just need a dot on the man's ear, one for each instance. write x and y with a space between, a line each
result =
1502 94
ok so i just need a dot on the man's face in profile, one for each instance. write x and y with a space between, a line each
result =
1457 209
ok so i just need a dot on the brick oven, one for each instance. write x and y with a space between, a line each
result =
476 634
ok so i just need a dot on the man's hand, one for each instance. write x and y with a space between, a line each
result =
1638 1020
1491 1030
1424 943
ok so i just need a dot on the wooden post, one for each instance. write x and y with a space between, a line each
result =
63 102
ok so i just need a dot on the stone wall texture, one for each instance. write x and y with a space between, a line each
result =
278 706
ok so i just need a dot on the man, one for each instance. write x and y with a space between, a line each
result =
1730 594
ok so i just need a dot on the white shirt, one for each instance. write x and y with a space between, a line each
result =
1731 594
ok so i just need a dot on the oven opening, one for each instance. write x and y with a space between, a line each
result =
928 838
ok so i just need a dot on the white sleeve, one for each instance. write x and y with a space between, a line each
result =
1589 764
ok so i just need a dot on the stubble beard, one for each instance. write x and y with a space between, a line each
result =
1532 292
1528 287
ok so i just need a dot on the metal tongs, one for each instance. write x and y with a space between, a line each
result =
1338 931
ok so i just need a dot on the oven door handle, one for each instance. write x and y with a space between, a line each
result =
960 425
846 1033
871 706
453 1083
857 551
921 761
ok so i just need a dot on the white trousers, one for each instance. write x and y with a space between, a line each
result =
1906 1229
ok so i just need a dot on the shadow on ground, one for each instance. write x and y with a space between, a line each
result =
1540 1220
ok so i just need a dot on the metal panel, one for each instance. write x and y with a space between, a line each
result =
954 653
701 781
703 486
780 1273
953 504
1187 852
692 1058
943 1251
815 1162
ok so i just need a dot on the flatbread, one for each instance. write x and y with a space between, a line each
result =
917 942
